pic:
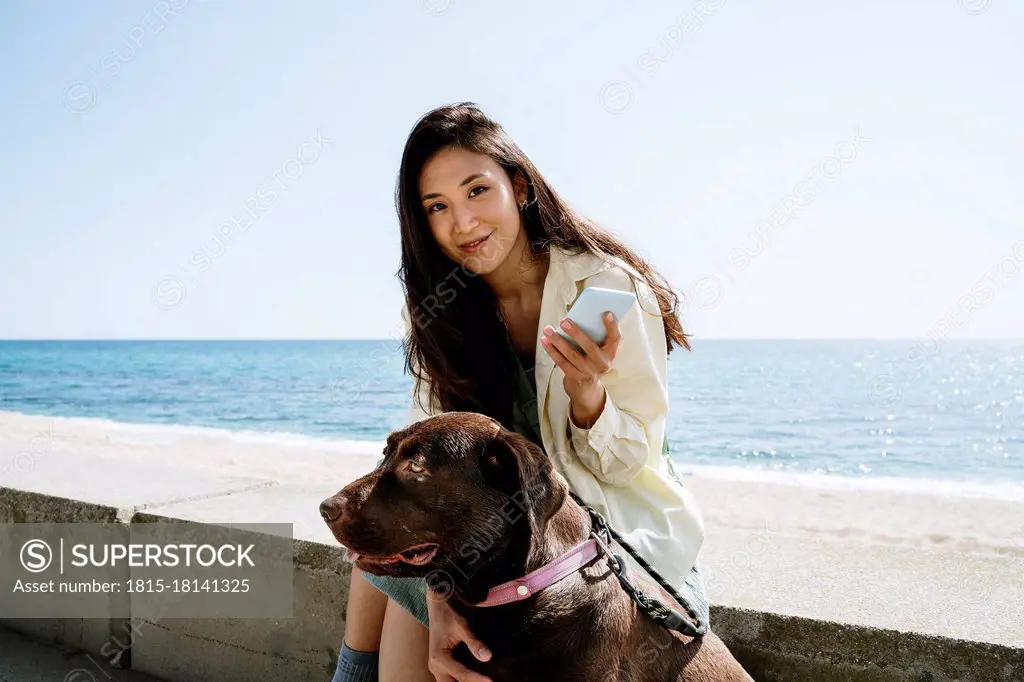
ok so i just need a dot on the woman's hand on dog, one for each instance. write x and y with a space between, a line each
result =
583 370
447 629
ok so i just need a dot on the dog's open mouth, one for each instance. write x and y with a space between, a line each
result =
417 555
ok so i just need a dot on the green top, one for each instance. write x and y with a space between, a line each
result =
525 419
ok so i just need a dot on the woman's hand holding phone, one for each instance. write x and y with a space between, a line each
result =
583 367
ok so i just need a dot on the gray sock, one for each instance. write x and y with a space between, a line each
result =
356 666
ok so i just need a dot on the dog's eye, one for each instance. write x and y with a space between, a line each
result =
416 468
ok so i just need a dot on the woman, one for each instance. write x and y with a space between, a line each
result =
492 259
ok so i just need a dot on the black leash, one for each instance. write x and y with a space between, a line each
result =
653 607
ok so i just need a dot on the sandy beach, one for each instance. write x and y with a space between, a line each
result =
834 512
773 546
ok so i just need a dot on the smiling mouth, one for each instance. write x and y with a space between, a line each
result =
417 555
473 246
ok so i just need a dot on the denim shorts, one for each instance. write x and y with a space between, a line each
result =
411 593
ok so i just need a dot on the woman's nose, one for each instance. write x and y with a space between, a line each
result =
466 221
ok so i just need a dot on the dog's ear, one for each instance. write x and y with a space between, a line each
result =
516 466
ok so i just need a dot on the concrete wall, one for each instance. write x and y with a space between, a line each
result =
771 646
776 647
301 648
87 634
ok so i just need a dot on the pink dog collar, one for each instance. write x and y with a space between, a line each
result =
543 577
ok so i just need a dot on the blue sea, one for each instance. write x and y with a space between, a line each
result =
947 415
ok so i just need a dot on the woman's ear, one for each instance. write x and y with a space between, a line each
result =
520 187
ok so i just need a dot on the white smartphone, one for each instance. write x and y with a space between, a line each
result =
588 310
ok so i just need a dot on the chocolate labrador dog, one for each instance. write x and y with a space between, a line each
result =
469 505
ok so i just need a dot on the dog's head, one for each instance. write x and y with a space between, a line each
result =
453 491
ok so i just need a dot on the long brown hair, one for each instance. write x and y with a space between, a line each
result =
457 339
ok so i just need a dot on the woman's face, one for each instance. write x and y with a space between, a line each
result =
472 207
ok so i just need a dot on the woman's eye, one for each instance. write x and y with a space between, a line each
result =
433 206
482 188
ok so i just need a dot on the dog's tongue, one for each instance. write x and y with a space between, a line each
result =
418 555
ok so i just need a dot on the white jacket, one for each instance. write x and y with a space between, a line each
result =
617 465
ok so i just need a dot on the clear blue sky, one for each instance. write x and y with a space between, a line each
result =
130 135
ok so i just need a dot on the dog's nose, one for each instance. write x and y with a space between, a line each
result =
332 507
